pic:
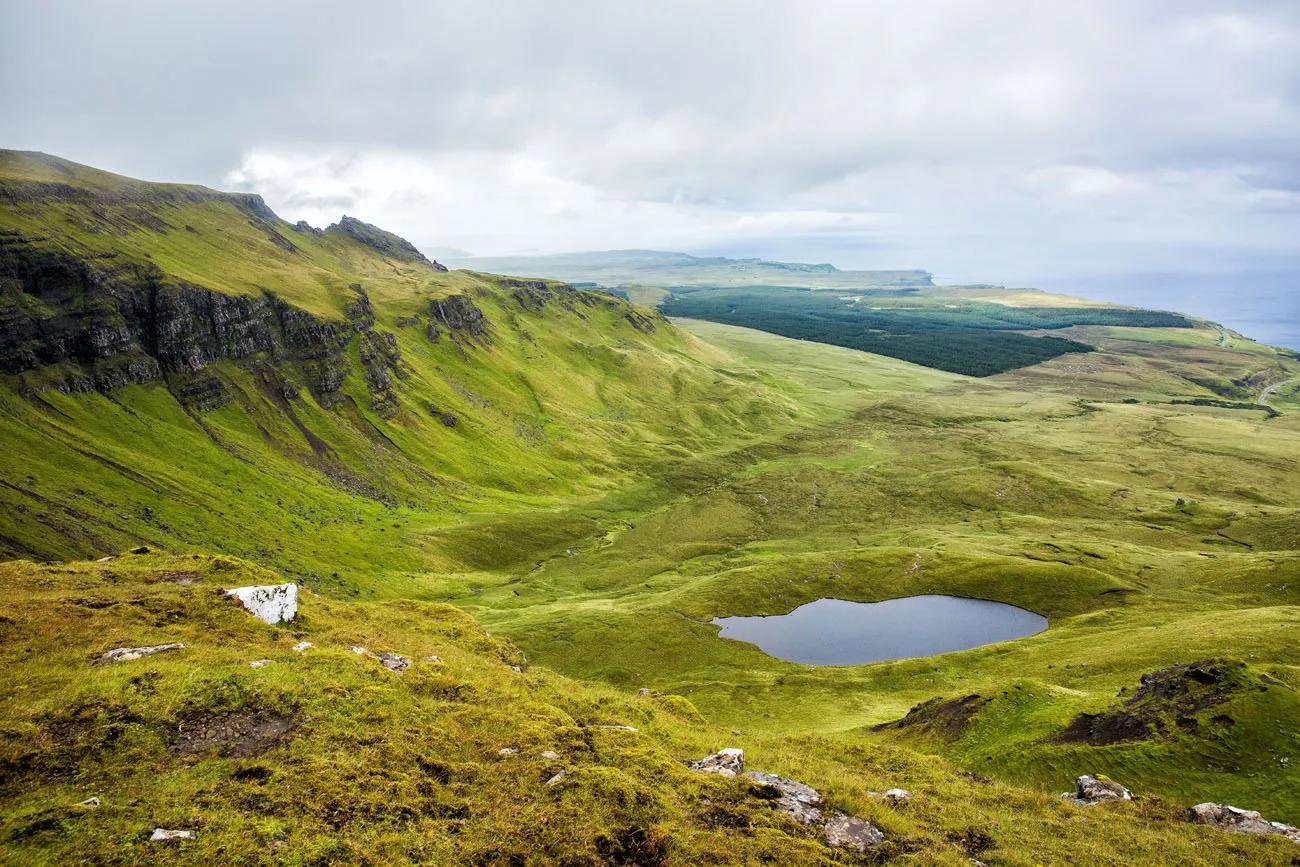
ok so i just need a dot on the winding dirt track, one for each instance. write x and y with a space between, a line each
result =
1268 392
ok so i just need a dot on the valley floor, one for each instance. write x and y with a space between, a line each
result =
1149 533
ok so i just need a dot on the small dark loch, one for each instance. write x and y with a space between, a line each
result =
836 632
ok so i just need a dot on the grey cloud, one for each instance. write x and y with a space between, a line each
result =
967 128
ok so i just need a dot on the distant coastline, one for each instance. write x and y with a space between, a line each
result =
1263 305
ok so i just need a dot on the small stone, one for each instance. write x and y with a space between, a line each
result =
897 797
555 779
270 603
125 654
394 662
361 651
849 832
731 760
549 755
301 646
433 658
105 559
260 663
91 802
163 835
618 728
507 751
516 669
1089 791
644 692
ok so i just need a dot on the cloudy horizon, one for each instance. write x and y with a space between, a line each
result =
995 142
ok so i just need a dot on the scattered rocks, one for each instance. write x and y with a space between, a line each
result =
125 654
1239 821
270 603
849 832
725 763
302 646
1089 791
163 835
798 801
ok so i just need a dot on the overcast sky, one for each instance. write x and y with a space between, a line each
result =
1000 141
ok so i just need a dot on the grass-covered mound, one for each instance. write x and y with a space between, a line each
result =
323 755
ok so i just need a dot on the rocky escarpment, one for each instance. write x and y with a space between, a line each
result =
461 318
392 246
96 324
533 295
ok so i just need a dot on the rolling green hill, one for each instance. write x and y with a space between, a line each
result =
258 402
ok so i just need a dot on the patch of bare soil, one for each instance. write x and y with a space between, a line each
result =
239 734
1165 699
938 716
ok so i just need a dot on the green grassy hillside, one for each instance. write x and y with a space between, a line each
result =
595 483
324 756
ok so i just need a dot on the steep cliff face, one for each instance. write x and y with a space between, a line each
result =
99 324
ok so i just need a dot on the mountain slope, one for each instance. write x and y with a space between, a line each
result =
183 365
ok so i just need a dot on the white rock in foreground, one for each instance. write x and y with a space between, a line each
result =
163 835
272 603
124 654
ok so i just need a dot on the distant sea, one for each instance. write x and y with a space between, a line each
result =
1264 306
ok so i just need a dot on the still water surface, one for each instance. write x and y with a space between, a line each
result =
836 632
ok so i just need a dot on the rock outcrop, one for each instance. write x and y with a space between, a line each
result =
725 762
392 246
459 316
798 801
1239 821
271 603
